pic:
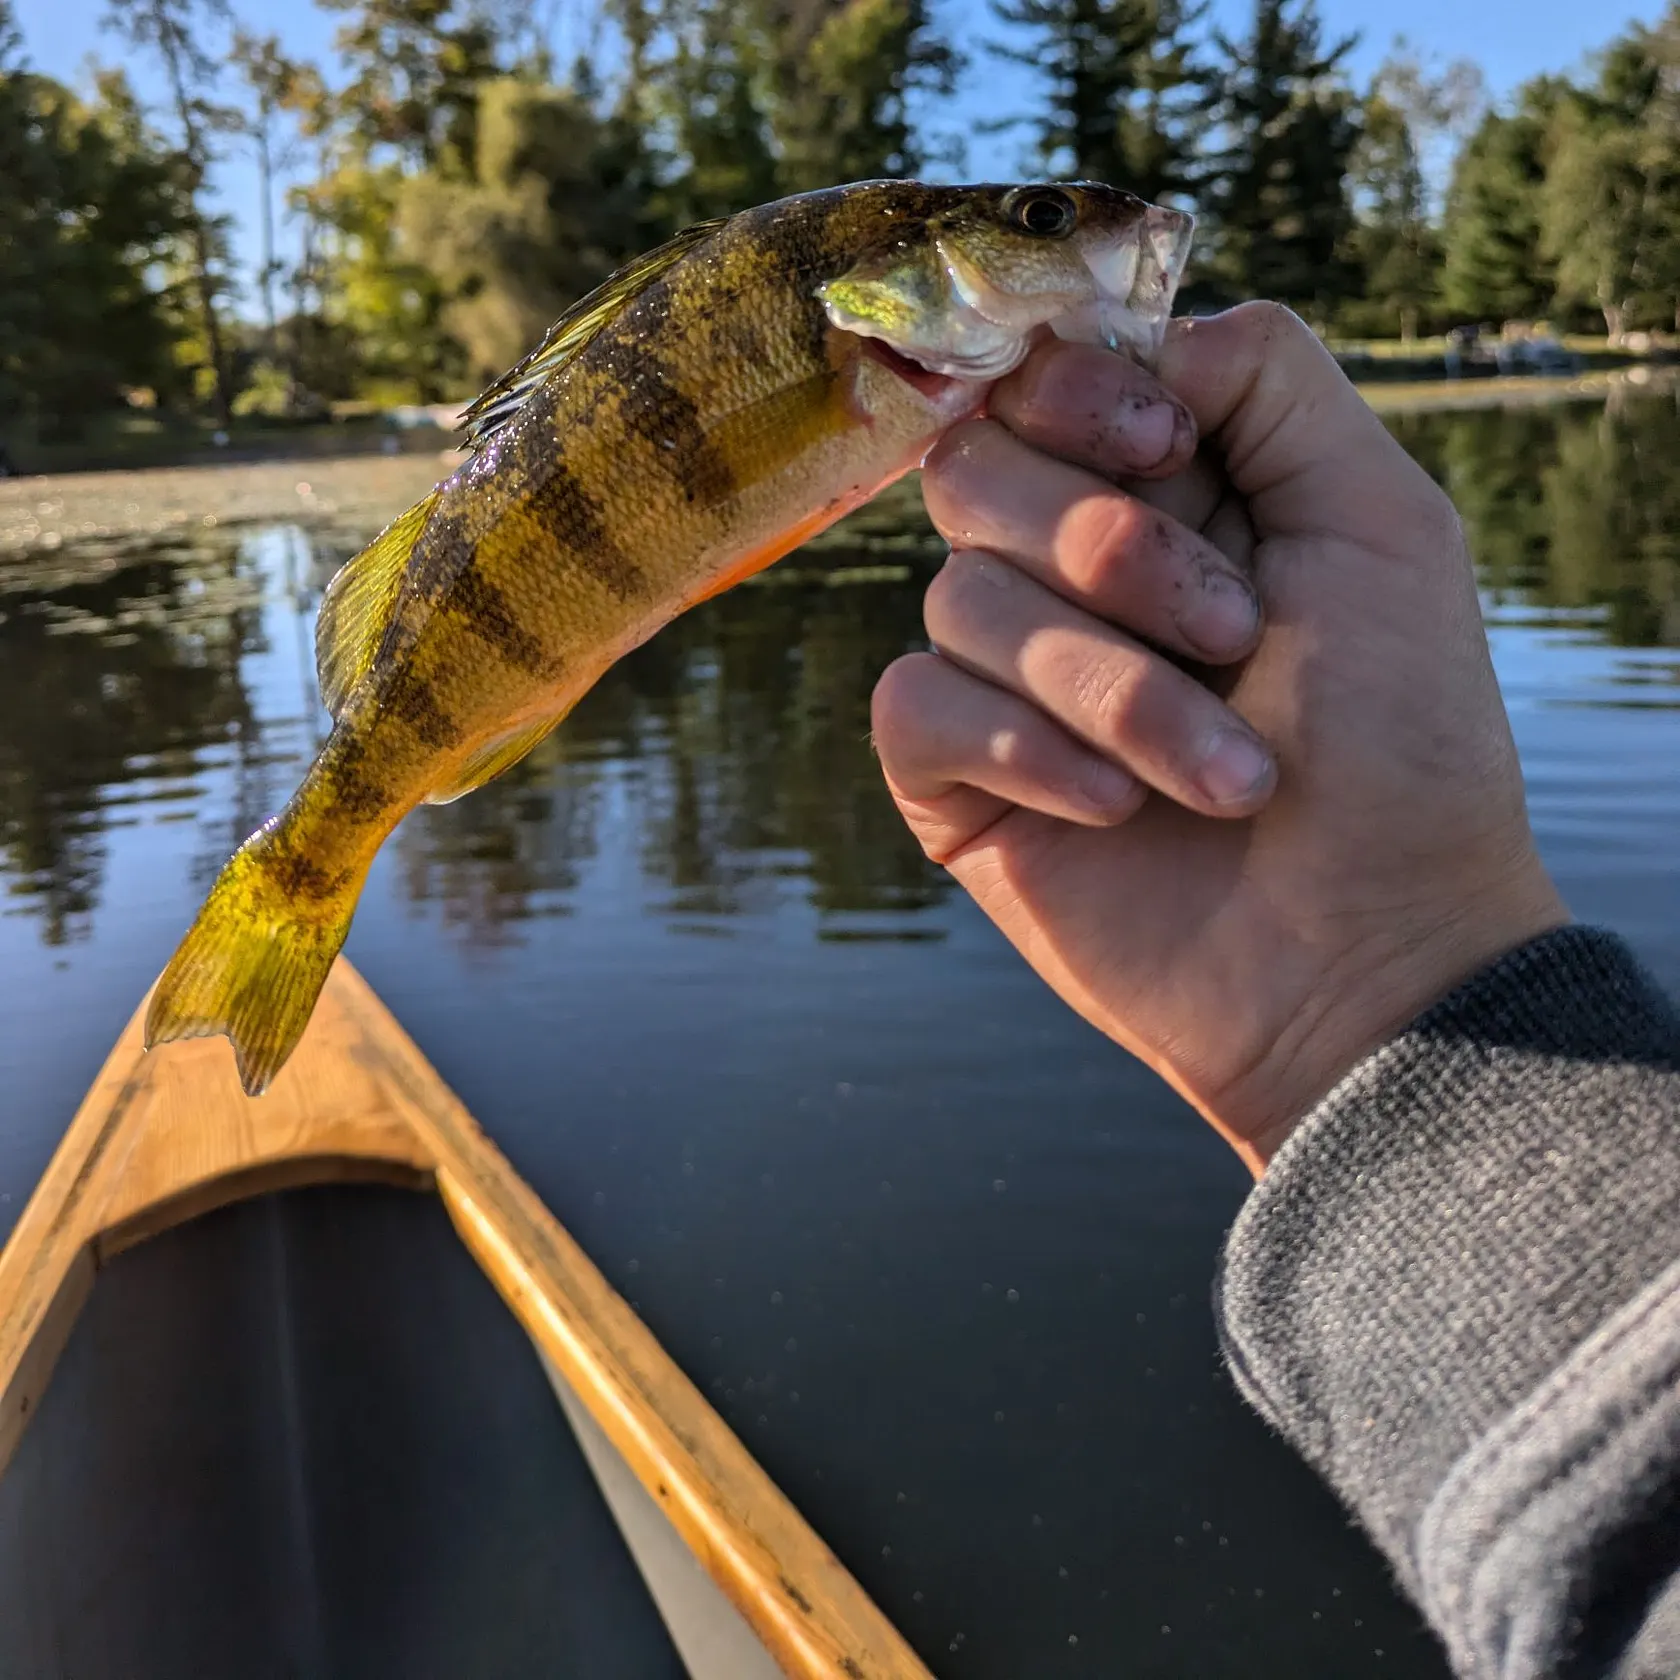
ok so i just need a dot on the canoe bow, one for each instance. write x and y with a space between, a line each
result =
164 1137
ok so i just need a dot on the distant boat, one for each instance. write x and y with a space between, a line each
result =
745 1588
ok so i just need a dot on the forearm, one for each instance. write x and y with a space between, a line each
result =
1457 1293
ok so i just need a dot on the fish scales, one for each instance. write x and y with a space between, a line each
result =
722 400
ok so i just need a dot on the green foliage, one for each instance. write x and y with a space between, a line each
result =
528 234
845 84
1393 249
1610 208
89 202
1279 205
181 34
1493 265
1129 98
415 66
456 196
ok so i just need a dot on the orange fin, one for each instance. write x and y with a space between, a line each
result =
491 760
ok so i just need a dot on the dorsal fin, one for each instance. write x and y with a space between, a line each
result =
358 603
491 411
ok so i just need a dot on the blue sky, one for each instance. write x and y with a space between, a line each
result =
1511 40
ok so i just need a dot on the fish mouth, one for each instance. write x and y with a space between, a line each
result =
925 380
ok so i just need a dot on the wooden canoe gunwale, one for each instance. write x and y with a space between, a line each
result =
161 1139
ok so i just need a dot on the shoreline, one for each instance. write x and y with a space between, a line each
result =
435 446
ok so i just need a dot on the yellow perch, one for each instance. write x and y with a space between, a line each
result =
708 409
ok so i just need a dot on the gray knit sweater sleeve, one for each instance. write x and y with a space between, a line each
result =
1457 1293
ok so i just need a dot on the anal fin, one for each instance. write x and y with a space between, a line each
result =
491 760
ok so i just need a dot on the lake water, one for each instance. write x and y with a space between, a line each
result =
939 1253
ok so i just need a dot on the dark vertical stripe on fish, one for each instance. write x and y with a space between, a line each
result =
299 876
357 790
490 616
565 509
411 697
654 407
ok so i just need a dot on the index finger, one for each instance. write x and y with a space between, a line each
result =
1098 409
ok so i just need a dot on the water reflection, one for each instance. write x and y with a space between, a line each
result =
729 760
116 675
1574 509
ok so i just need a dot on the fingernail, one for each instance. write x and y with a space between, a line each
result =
1223 617
1234 768
1146 428
1105 786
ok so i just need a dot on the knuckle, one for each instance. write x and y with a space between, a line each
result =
897 701
958 449
952 599
1117 696
1266 322
1099 538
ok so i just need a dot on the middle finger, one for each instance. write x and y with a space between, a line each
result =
1105 551
1133 706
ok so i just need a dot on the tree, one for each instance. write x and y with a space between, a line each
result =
1440 104
845 78
527 235
90 205
409 106
1279 204
413 89
1128 100
1610 209
174 30
1393 246
1493 264
275 82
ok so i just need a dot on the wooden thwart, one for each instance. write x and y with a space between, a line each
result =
163 1137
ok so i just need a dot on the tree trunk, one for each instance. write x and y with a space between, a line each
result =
205 284
203 280
1408 324
265 167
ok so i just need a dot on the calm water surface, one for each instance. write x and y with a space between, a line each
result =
939 1253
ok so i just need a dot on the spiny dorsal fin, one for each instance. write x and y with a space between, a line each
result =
490 761
358 604
491 411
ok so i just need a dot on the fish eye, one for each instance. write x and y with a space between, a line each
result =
1044 212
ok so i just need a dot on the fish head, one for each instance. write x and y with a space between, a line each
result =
963 290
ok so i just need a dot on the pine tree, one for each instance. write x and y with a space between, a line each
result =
1493 266
1279 206
1128 101
1393 246
843 80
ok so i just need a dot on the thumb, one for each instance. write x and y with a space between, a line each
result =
1296 438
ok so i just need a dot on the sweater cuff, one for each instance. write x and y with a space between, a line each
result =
1455 1218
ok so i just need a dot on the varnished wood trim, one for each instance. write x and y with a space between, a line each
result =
161 1138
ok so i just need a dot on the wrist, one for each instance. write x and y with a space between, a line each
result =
1369 996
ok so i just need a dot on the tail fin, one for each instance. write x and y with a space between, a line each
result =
255 960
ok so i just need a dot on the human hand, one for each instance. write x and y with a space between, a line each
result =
1261 921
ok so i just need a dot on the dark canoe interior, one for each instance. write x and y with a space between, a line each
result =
300 1437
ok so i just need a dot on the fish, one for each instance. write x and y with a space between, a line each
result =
706 410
